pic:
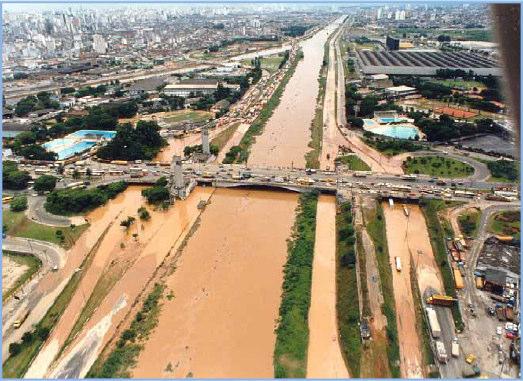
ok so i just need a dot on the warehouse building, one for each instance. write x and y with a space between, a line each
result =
188 87
424 63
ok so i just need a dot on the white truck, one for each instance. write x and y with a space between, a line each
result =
454 351
435 328
398 263
441 352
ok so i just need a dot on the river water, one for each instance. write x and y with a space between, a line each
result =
227 290
284 141
134 259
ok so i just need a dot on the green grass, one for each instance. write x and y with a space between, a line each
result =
506 223
16 366
33 265
18 225
375 224
347 306
437 239
354 163
437 166
469 222
195 116
240 153
125 354
292 332
269 63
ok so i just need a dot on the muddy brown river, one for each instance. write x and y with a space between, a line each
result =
284 141
227 290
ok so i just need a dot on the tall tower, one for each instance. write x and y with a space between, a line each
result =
205 141
177 174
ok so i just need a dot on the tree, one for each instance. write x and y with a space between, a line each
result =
18 204
128 222
45 183
15 348
144 214
156 194
36 152
12 178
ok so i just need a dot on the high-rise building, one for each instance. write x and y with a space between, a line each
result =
99 44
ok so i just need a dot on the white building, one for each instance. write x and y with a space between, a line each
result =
191 86
99 44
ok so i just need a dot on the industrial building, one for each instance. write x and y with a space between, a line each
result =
424 63
187 87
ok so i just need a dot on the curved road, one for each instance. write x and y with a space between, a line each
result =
51 255
37 212
481 171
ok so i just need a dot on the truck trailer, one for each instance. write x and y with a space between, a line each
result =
441 352
435 328
441 300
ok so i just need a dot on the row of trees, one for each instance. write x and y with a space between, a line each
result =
445 128
41 101
142 142
76 201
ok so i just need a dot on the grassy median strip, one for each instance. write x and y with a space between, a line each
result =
224 136
124 355
24 352
347 305
292 333
376 229
32 263
240 153
353 162
437 239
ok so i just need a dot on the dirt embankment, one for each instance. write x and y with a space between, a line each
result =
227 288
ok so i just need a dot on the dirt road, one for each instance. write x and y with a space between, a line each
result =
324 354
409 341
227 291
